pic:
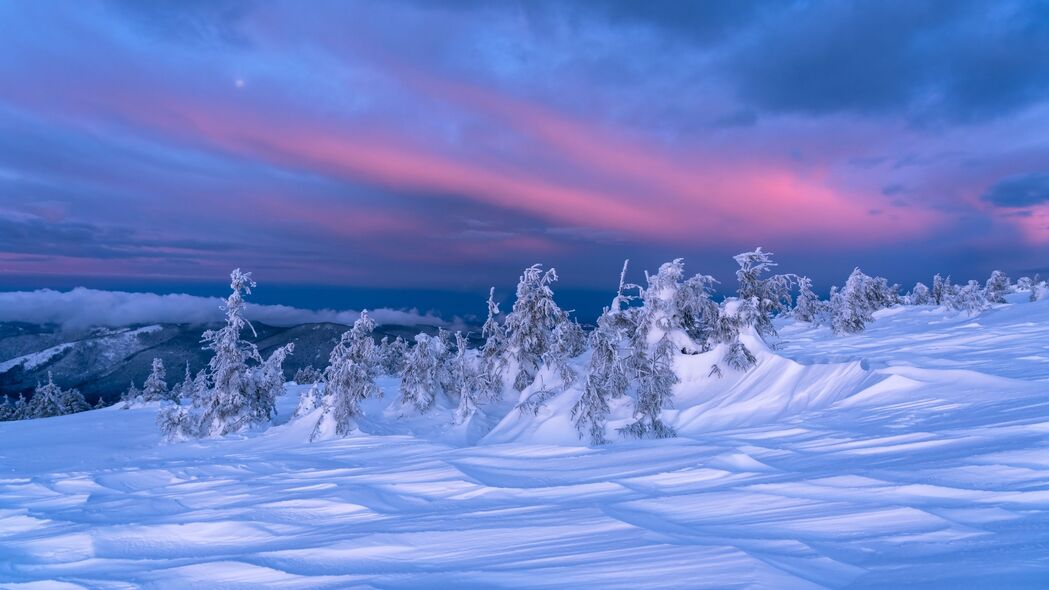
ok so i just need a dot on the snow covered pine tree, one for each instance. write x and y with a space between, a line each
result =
349 380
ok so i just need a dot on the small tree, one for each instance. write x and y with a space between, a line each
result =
308 376
392 354
51 400
493 359
606 379
155 388
738 357
770 295
807 304
530 326
132 395
464 379
852 309
421 380
920 294
970 299
349 379
997 287
656 379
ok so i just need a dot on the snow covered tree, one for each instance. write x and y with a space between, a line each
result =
970 299
132 395
938 289
852 309
997 287
464 380
606 379
349 379
267 382
739 357
530 325
698 313
920 294
568 341
226 406
807 304
770 295
308 376
1024 284
51 400
176 423
155 388
493 360
392 354
421 380
185 389
656 379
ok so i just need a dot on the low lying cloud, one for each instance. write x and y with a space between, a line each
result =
82 307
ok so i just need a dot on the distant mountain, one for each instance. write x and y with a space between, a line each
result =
101 362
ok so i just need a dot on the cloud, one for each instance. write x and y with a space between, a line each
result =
82 307
1022 190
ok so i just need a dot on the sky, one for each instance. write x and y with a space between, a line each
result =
349 151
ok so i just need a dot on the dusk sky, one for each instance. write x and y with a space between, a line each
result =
423 145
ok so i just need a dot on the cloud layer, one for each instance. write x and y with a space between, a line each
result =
81 308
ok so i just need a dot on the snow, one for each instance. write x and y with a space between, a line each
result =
913 454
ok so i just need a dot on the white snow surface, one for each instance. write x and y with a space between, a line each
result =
914 455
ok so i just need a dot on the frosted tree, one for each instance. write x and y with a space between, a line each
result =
185 389
493 359
738 357
806 307
464 380
267 385
226 406
997 287
132 395
698 313
155 388
349 379
970 299
656 379
920 294
568 341
308 375
392 354
770 295
51 400
530 325
421 380
7 409
606 379
937 289
176 423
853 307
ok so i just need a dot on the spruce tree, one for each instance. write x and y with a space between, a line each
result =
349 379
606 379
530 325
155 388
807 304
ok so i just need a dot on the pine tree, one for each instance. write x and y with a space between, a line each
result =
738 357
267 382
530 326
349 379
920 294
937 289
185 389
421 380
970 299
392 354
225 406
131 396
656 379
51 400
176 423
606 379
769 295
852 309
156 388
698 312
807 303
493 359
465 381
307 375
997 287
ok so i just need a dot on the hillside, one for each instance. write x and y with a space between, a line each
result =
913 453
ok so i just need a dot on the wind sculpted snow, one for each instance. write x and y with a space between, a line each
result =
913 454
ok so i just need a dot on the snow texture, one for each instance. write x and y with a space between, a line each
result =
912 455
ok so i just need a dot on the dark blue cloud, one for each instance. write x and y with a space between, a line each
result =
1024 190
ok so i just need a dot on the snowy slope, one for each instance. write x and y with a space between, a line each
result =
913 455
